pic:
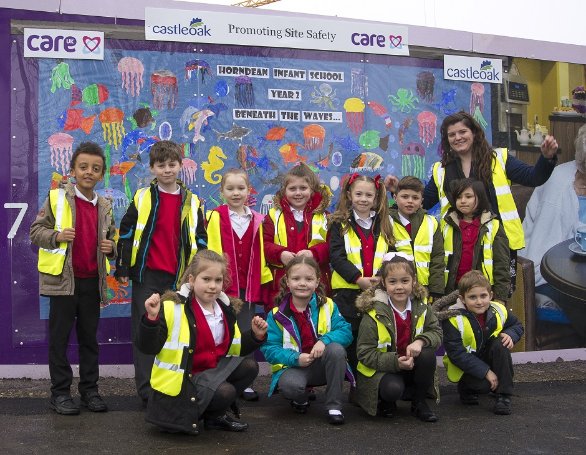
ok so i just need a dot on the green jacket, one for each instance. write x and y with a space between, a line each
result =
367 341
436 263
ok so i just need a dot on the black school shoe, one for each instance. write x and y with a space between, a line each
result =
502 405
387 410
300 408
422 411
64 405
94 402
466 397
225 423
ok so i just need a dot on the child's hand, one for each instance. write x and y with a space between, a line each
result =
286 257
318 349
364 282
507 340
374 280
106 246
259 327
406 363
391 183
305 360
414 349
305 253
66 235
152 306
492 379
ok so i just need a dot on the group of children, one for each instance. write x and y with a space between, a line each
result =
346 295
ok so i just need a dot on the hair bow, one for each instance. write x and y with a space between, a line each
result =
393 254
377 181
352 178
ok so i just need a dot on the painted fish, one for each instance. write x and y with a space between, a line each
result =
73 119
290 154
236 133
198 119
367 161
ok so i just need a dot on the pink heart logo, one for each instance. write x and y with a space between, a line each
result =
91 43
395 40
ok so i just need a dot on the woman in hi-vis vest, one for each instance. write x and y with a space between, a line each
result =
466 153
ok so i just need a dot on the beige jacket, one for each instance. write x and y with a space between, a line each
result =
43 234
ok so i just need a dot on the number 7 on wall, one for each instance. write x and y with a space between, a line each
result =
23 206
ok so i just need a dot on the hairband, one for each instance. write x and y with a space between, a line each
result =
393 254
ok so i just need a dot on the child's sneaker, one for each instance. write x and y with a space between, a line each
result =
502 405
300 408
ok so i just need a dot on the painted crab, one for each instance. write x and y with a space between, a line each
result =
324 95
405 100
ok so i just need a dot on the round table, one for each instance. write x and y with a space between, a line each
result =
565 270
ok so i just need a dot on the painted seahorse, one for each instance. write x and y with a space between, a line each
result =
213 164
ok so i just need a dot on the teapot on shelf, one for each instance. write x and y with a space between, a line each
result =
537 138
524 136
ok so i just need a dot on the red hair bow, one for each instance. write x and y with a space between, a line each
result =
352 178
377 181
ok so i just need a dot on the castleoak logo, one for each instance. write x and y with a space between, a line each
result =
196 28
486 65
196 22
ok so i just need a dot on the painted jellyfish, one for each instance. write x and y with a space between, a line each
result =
188 169
427 124
60 77
413 160
314 136
477 103
425 85
165 131
201 67
132 70
118 198
359 83
164 89
243 91
112 120
61 146
354 108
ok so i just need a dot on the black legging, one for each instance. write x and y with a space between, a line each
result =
230 389
392 385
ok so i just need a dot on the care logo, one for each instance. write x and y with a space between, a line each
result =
486 65
55 43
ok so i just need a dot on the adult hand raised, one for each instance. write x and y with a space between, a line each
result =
549 147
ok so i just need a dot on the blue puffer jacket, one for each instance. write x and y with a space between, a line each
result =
273 349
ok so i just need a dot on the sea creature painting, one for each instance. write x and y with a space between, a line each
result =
143 117
381 111
372 139
92 95
477 103
61 78
367 161
245 156
117 292
236 133
447 105
61 148
118 198
164 89
425 85
221 88
199 67
427 125
112 120
188 170
324 96
243 91
73 119
413 160
359 83
213 165
290 154
403 129
404 100
165 131
314 136
186 119
122 169
131 71
347 143
198 119
275 133
143 141
323 163
57 179
354 108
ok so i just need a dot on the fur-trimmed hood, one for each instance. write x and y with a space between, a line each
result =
448 306
182 296
318 203
367 300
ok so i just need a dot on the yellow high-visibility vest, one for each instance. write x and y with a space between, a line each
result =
324 325
423 244
384 339
487 249
465 328
167 373
504 198
319 229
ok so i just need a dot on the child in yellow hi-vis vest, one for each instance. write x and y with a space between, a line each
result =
198 370
478 336
75 233
397 340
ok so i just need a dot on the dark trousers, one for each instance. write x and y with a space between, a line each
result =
500 362
83 309
392 385
329 369
154 281
232 387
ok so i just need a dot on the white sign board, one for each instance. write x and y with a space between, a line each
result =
475 69
200 26
56 43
